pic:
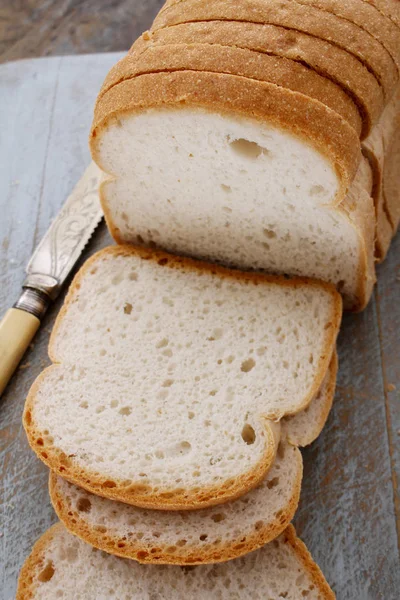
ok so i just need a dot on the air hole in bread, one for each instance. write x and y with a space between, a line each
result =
163 261
84 505
247 149
185 447
317 190
191 415
248 434
203 537
269 233
181 543
226 188
128 308
273 483
247 365
40 442
162 343
108 484
47 573
167 383
125 410
259 525
218 517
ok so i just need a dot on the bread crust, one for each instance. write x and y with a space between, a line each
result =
319 424
217 58
186 555
388 8
174 499
373 150
368 18
310 120
325 58
26 583
290 14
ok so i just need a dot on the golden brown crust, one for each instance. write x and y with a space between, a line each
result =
373 150
216 58
230 94
136 493
388 8
368 18
305 557
26 583
26 579
359 209
179 555
325 58
290 14
323 416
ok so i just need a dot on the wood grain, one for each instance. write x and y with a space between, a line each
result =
348 507
32 28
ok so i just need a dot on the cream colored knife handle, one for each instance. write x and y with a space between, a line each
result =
17 329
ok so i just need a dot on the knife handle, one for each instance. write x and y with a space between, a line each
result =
17 329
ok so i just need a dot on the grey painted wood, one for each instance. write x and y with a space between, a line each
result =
347 514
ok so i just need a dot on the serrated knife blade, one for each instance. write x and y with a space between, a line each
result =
49 267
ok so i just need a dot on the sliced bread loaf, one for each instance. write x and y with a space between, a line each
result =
185 537
207 535
290 14
368 18
186 363
61 565
267 188
251 64
325 58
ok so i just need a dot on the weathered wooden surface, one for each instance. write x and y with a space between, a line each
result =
347 514
31 28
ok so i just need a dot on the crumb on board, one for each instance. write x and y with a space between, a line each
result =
390 387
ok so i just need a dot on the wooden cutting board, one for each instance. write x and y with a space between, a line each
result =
350 500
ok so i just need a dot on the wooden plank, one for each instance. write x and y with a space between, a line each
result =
346 514
38 171
59 27
388 304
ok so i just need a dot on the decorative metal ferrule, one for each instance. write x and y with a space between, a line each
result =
34 302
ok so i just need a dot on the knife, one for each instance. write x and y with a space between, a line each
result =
50 265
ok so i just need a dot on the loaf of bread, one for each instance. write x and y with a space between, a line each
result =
190 366
61 565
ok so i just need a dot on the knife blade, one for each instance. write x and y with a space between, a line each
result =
49 267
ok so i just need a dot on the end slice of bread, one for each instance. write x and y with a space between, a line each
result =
189 365
61 564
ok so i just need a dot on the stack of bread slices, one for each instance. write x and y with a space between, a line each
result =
263 137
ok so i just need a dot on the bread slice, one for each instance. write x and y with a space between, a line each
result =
303 428
188 365
368 18
325 58
290 14
388 8
185 537
391 183
218 58
62 565
207 535
382 150
182 162
373 149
